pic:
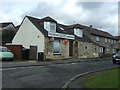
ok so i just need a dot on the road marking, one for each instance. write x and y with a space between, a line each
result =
73 63
33 66
18 68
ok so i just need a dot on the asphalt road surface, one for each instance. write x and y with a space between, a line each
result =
52 76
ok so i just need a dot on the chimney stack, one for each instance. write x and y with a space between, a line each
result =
91 26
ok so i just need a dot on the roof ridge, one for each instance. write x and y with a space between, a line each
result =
6 22
32 17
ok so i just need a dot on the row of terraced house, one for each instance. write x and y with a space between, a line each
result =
52 40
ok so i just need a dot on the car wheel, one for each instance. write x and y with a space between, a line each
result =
114 61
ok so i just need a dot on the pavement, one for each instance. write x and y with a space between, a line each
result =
27 63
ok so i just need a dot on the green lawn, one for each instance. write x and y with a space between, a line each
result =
106 79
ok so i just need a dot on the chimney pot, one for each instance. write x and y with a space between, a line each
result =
91 26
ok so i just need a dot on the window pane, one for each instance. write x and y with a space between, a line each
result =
78 32
97 38
52 27
105 39
56 46
47 26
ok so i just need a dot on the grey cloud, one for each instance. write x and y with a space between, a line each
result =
90 5
96 13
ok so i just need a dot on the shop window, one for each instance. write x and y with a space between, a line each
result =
56 46
108 50
101 49
114 50
114 41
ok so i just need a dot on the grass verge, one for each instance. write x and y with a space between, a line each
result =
106 79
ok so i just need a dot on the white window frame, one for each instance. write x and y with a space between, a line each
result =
78 32
112 41
106 40
54 45
47 26
97 38
101 50
52 24
114 50
108 50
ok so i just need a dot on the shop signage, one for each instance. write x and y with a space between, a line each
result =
60 35
65 40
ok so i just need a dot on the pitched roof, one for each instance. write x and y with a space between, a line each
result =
40 27
84 39
36 22
100 33
48 19
117 37
93 31
60 28
4 24
17 27
63 29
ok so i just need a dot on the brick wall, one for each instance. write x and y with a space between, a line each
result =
16 50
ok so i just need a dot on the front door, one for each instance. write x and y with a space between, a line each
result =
70 48
103 51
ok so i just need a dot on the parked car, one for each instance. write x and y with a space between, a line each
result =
5 54
116 57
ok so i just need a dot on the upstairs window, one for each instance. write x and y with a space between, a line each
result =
78 32
112 41
50 26
109 40
47 26
97 38
106 40
61 28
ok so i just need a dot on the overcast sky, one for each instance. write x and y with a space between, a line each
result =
102 15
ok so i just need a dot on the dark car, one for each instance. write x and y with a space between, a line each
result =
116 57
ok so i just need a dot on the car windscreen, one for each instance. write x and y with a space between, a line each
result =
118 53
4 50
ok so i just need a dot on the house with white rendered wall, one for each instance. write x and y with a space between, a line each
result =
46 35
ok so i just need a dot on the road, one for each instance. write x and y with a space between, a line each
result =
51 76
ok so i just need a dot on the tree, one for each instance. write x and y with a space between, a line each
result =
7 35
